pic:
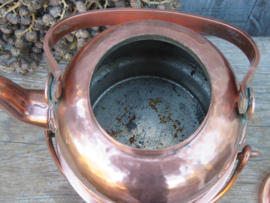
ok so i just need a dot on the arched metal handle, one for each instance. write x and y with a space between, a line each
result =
48 137
264 192
243 158
196 23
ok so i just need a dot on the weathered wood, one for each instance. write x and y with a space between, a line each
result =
27 173
252 16
234 12
258 22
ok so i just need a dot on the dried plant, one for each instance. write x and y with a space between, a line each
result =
24 23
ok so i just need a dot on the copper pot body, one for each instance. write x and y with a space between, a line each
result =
102 169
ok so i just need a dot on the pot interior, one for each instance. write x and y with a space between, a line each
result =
150 92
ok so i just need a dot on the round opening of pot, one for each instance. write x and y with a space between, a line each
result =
150 92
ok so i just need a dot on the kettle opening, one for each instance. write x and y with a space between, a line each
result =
150 92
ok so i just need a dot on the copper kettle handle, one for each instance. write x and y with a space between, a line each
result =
243 158
49 142
193 22
264 196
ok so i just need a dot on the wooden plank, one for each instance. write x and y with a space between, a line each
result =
27 173
234 12
258 22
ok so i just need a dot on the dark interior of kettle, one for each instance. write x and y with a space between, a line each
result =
150 93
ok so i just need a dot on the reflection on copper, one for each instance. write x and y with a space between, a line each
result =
49 142
28 106
102 169
243 160
197 23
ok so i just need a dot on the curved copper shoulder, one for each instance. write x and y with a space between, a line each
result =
196 23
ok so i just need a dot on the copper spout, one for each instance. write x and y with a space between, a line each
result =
28 106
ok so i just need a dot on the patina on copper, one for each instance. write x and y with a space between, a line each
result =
103 170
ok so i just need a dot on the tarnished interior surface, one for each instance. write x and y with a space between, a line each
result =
150 92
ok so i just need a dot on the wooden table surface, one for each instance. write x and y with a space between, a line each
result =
28 174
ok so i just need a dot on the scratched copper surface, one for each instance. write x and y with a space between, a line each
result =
110 170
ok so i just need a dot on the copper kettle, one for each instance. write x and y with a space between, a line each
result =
102 169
